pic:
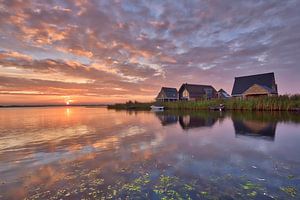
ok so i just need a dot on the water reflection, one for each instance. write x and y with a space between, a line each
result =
249 124
167 119
260 125
60 153
257 129
190 121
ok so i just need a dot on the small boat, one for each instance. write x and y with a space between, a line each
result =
221 107
153 107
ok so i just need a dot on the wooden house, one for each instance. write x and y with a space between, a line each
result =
222 94
255 86
196 92
167 94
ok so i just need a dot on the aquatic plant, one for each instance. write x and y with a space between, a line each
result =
166 188
280 103
290 190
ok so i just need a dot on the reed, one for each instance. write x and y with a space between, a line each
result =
279 103
131 105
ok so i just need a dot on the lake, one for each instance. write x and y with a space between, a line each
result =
96 153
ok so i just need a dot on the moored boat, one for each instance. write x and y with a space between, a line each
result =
221 107
153 107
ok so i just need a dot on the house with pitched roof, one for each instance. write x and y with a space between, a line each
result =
222 94
255 86
167 94
197 92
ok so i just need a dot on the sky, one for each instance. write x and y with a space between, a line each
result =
87 52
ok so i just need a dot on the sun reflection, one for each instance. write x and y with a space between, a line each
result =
68 112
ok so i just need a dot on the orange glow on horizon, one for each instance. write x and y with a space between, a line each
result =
68 100
13 99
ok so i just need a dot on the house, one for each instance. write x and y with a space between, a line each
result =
255 86
194 92
222 94
167 94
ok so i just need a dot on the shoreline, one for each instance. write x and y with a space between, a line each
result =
42 106
280 103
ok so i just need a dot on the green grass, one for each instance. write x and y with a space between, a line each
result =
280 103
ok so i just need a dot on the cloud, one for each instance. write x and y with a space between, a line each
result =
137 47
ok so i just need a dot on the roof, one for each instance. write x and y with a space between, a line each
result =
221 90
267 89
195 90
170 92
241 84
224 93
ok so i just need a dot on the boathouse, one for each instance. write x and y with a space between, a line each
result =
167 94
255 86
196 92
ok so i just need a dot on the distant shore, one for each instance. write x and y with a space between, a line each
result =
29 106
280 103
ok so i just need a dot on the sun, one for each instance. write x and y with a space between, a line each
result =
68 100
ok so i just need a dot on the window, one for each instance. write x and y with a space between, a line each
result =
185 93
208 92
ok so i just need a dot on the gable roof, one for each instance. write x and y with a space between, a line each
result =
195 90
221 90
169 92
253 89
224 93
241 84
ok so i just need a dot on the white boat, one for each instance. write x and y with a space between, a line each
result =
153 107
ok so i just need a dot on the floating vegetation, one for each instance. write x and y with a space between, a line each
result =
97 181
290 176
250 186
130 184
290 190
188 187
252 194
135 187
204 193
171 187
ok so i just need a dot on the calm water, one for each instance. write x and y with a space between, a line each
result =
95 153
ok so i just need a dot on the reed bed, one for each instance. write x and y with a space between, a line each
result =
279 103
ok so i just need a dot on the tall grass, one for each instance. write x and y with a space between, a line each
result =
280 103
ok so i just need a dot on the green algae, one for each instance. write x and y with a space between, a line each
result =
250 186
91 185
290 176
252 194
290 190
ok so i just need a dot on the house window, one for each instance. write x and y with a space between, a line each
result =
185 93
208 92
